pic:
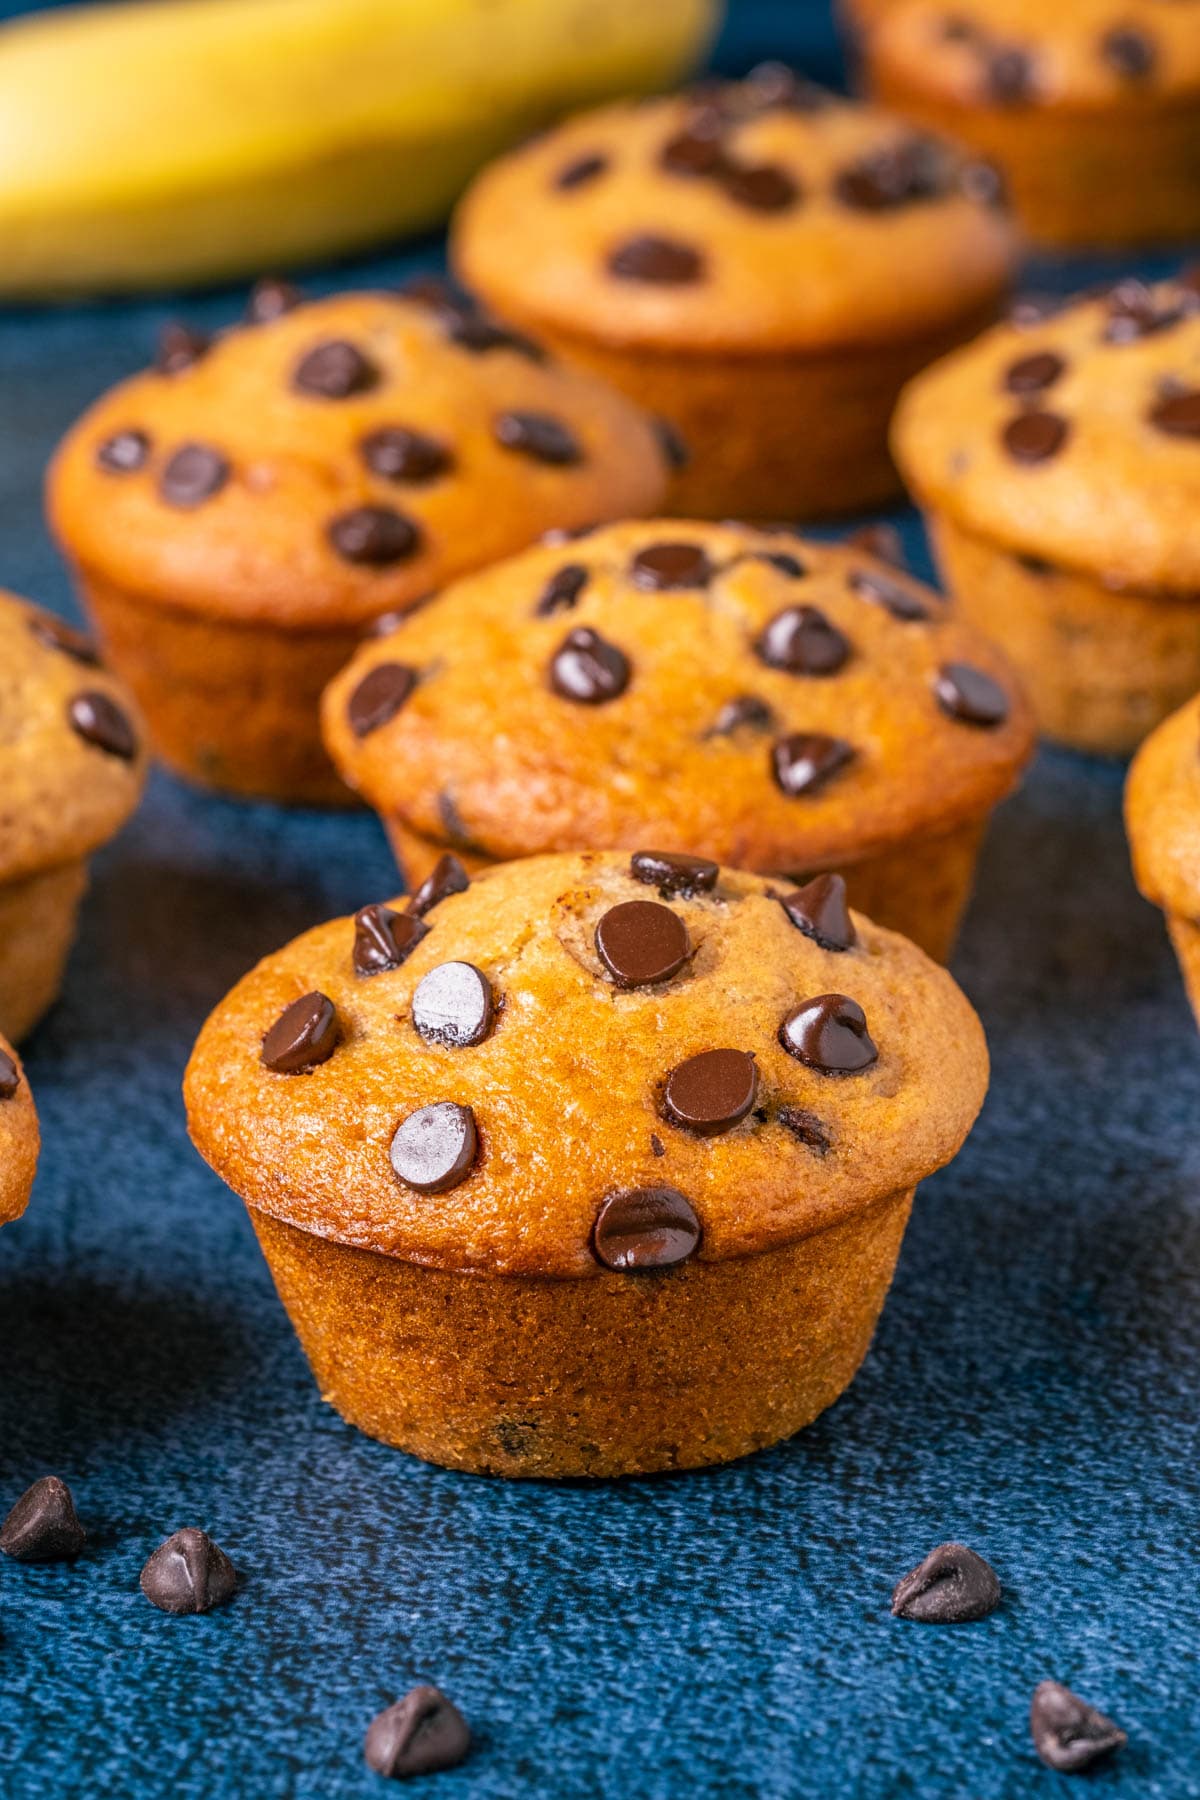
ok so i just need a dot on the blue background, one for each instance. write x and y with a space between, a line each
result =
1032 1388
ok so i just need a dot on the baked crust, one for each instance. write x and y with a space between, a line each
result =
1162 812
19 1141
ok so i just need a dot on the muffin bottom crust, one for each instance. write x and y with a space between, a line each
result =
37 926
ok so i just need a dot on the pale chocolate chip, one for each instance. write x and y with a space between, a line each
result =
561 593
335 370
671 872
99 721
379 696
125 452
305 1034
188 1574
434 1148
712 1092
802 641
883 541
374 536
270 298
179 348
952 1586
1034 437
829 1033
660 567
645 1228
539 436
395 453
819 910
806 761
640 943
1067 1733
658 261
419 1735
445 878
967 694
453 1005
43 1526
588 669
384 939
193 474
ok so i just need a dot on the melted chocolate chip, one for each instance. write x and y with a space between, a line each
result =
99 721
582 171
1034 437
640 943
1130 52
1009 76
806 761
193 474
453 1005
951 1586
660 261
124 453
540 436
671 872
561 593
10 1077
43 1526
189 1574
588 669
55 634
829 1033
434 1148
384 939
305 1034
881 590
895 175
445 878
676 454
746 712
645 1228
334 371
379 696
1067 1733
270 299
179 348
819 910
374 536
660 567
760 187
712 1092
967 694
1178 414
805 1126
419 1735
802 641
1034 374
395 453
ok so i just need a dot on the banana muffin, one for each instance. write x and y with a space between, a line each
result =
1091 109
71 772
1162 815
240 515
593 1165
1058 463
773 703
762 263
18 1136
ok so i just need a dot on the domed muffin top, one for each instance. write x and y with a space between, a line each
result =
341 458
1072 436
586 1062
1162 805
18 1135
753 216
71 762
774 702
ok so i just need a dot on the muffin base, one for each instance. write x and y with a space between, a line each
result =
606 1375
1101 667
37 929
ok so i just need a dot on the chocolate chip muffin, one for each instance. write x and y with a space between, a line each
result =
1058 461
761 263
71 772
773 703
1162 814
18 1136
593 1165
240 515
1091 110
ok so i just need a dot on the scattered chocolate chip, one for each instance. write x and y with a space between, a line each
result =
676 454
645 1228
445 878
384 939
453 1005
805 1126
587 668
1178 414
193 474
375 536
760 187
806 761
1034 374
671 872
901 174
305 1034
334 371
801 640
10 1076
1134 313
1033 437
269 299
712 1092
743 712
698 149
671 565
379 696
397 454
539 436
435 1147
99 721
661 261
1009 77
561 593
55 634
1068 1734
43 1526
419 1735
819 910
1129 51
951 1586
657 1147
124 453
881 590
967 694
581 171
179 347
188 1574
829 1033
640 943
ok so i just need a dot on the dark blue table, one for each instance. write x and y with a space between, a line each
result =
1033 1388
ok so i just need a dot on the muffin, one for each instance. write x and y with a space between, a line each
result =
1162 814
1091 109
775 704
1058 463
18 1136
71 772
761 263
239 516
595 1165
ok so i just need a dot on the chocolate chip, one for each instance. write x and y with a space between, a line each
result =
698 149
661 261
587 668
881 590
819 910
1068 1734
657 1147
558 535
1008 77
672 565
1134 313
43 1526
479 334
124 453
1129 51
1028 310
676 454
379 696
801 640
562 591
454 826
539 436
305 1034
419 1735
434 1149
805 1126
744 712
445 878
270 299
712 1092
951 1586
645 1228
375 536
581 171
453 1005
1178 414
791 566
984 183
829 1033
674 873
179 348
773 85
10 1076
189 1574
334 371
640 943
395 453
384 939
1033 374
1033 437
807 760
55 634
193 474
894 175
967 694
760 187
99 721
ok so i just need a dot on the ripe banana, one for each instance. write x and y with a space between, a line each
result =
177 141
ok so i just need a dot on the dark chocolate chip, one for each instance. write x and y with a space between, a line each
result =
334 371
1034 374
895 175
1034 565
676 454
805 1126
670 565
445 878
640 943
43 1526
269 299
712 1092
179 348
660 261
10 1076
744 712
434 1149
453 1005
55 634
479 334
951 1586
698 149
819 910
1033 437
587 668
1009 77
801 640
657 1147
671 872
561 593
881 590
1067 1733
646 1228
967 694
791 566
375 536
189 1574
397 454
760 187
539 436
124 453
806 761
1134 313
193 474
581 171
384 939
379 696
99 721
829 1033
1178 414
1132 53
305 1034
419 1735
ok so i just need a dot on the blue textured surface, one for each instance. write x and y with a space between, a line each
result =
1032 1388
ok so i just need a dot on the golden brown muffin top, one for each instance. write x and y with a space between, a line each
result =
342 458
18 1135
774 702
744 217
1073 438
71 763
1162 810
505 1080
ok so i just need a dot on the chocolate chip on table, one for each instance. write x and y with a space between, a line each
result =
802 641
99 721
901 174
819 910
445 878
659 261
379 696
305 1034
712 1092
1178 414
1067 1733
1034 437
676 454
453 1005
805 1126
640 943
806 761
660 567
561 593
395 453
967 694
760 187
1132 53
881 590
193 474
1009 76
951 1586
270 298
188 1574
124 453
671 872
538 435
419 1735
581 171
434 1148
588 669
55 634
375 536
829 1033
743 712
1034 374
645 1228
43 1526
179 348
385 939
10 1076
334 370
